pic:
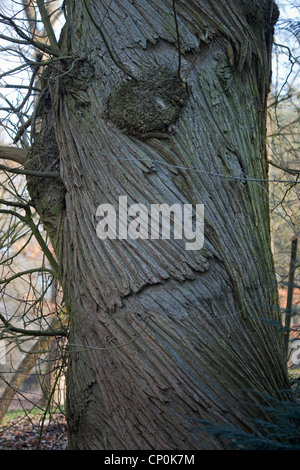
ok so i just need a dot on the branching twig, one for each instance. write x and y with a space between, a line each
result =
27 219
13 329
24 273
28 94
26 39
287 170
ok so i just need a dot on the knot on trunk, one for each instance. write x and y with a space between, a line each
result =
258 12
150 104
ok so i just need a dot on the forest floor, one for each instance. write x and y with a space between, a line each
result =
33 432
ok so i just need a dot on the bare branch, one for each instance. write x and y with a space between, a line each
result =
20 87
29 271
28 94
21 205
22 130
287 170
31 16
25 39
11 328
47 24
14 154
37 174
24 370
27 219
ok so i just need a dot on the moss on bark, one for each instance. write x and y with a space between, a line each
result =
47 194
152 103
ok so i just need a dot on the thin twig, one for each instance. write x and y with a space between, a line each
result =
178 38
115 60
37 174
287 170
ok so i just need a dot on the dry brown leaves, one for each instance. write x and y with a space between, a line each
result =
26 433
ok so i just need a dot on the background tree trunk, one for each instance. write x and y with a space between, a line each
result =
40 347
162 337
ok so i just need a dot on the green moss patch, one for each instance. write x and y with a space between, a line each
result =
149 104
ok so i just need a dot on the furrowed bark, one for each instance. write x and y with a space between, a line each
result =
162 337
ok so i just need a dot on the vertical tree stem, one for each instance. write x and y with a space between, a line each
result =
289 302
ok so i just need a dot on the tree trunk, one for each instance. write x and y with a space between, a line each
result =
162 337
